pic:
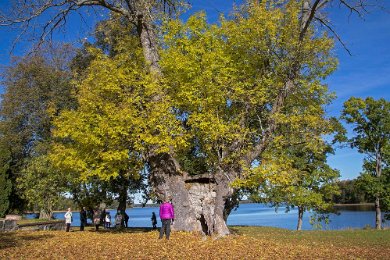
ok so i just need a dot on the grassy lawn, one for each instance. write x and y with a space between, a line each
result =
245 243
32 221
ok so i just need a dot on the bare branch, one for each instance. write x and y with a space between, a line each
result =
142 13
357 8
112 7
326 24
27 16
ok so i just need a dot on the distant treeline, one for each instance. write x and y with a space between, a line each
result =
350 193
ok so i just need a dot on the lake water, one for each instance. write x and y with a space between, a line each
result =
253 214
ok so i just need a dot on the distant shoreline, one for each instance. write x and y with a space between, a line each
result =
155 205
354 204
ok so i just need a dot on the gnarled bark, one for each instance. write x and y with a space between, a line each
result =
202 202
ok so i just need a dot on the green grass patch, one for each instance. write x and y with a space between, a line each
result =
355 237
35 221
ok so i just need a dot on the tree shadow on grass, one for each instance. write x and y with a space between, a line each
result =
15 239
125 230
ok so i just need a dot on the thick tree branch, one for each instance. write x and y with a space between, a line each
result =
272 124
308 14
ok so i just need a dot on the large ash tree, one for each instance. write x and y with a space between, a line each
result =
228 85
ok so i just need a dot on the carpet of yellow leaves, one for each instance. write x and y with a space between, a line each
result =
245 243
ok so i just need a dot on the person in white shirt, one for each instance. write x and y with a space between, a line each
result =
108 220
68 219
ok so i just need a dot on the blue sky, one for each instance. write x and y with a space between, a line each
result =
365 73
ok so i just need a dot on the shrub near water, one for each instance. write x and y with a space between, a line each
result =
245 243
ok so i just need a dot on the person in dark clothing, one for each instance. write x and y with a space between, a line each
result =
83 218
125 219
103 218
154 220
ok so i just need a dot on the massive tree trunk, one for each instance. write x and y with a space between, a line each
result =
202 203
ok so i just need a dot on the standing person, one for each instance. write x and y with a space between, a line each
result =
167 216
125 218
96 218
154 220
118 219
68 219
103 218
83 218
108 220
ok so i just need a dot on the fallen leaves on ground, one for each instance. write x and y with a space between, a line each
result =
245 243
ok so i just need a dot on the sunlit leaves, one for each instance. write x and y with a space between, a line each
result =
117 120
371 121
37 87
224 78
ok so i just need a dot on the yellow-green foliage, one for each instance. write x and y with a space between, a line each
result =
224 79
218 86
118 119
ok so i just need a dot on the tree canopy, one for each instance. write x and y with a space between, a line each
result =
371 125
37 88
202 109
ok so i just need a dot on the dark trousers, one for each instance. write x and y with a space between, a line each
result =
165 228
67 227
82 225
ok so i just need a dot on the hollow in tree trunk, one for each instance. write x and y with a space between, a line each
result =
202 202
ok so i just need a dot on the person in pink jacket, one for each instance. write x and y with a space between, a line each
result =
167 217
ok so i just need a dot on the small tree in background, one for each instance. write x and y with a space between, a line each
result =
5 190
37 87
295 177
371 121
